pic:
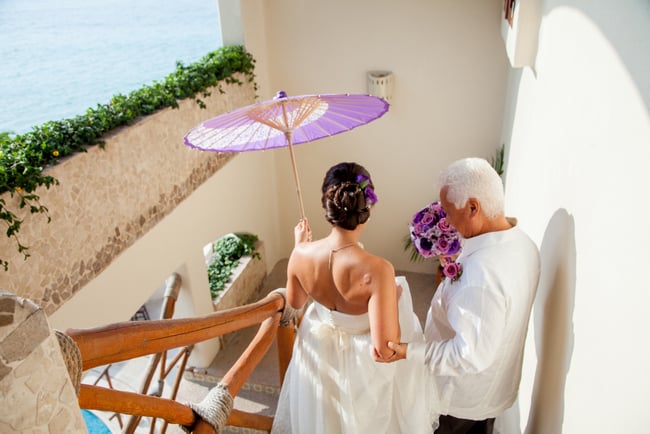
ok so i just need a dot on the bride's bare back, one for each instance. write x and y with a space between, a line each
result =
342 278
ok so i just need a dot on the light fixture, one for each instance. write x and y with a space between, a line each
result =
380 83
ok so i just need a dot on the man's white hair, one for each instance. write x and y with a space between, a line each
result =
474 177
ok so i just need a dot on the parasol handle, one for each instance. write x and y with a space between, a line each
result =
295 174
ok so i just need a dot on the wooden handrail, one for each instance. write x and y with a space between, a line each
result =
127 340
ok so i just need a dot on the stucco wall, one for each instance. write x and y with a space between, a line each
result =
577 131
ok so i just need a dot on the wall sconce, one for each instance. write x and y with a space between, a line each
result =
380 83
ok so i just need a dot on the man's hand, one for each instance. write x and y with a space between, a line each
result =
398 354
302 232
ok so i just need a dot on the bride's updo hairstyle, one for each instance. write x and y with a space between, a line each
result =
348 194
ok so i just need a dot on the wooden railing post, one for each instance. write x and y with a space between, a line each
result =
286 338
172 289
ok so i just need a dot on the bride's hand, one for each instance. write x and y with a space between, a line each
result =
302 232
399 353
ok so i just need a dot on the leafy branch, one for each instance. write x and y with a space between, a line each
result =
24 157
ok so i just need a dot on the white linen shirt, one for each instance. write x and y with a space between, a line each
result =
476 326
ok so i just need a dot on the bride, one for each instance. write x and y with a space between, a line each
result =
333 384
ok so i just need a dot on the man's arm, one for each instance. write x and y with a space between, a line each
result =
477 317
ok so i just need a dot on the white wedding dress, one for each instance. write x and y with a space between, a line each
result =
333 385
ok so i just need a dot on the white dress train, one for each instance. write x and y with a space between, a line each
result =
333 385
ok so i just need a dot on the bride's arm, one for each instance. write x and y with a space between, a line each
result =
296 294
382 309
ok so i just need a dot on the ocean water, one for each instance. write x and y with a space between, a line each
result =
61 57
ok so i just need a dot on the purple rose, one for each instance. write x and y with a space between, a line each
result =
444 226
427 219
451 270
443 245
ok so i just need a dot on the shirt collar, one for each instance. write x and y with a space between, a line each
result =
478 242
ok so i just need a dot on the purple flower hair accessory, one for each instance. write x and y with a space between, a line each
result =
368 192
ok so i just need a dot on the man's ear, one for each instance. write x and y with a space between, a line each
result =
474 207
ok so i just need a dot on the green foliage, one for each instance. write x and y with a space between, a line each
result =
23 157
228 250
498 160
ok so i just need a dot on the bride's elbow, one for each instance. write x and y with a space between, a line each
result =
384 352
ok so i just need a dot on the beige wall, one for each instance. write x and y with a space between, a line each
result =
450 74
578 137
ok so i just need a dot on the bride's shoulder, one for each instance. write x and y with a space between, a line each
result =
377 267
381 263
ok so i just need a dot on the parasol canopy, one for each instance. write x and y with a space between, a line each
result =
283 122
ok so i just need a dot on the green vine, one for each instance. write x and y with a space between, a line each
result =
227 251
24 157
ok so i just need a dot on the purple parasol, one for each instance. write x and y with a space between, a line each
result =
285 121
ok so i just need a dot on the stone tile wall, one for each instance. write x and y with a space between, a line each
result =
37 394
108 198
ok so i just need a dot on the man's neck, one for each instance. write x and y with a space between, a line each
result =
500 223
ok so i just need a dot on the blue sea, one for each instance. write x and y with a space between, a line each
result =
61 57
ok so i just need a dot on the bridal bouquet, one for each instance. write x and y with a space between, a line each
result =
433 236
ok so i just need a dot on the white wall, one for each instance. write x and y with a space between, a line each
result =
450 75
578 146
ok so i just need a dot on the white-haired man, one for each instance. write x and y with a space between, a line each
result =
477 324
